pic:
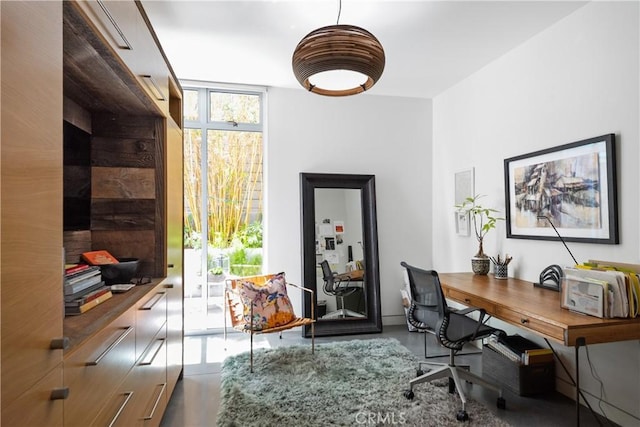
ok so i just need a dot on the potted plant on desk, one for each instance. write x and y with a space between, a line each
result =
483 221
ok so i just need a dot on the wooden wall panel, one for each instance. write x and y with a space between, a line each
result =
127 190
115 126
123 183
75 244
77 181
125 152
120 214
76 115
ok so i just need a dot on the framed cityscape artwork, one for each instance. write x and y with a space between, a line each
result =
572 187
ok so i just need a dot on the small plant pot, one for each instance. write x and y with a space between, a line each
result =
215 278
480 266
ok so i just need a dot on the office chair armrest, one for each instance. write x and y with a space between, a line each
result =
342 284
481 317
468 310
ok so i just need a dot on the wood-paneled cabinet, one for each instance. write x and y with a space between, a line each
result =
59 371
148 384
31 214
121 25
140 400
173 283
96 367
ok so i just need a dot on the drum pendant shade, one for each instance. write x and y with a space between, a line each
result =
338 47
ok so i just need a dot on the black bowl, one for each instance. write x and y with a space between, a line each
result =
122 272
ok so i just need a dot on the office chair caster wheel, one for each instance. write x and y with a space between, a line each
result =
452 386
408 394
419 373
501 403
462 415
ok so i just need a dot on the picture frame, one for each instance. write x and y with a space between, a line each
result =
463 189
462 224
464 185
569 191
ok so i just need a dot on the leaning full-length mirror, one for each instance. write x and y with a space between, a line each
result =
340 253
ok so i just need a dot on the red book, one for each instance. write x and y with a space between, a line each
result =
99 258
76 268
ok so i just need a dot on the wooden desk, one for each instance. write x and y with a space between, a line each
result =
538 310
355 275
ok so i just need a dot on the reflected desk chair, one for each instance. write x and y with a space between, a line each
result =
453 330
339 288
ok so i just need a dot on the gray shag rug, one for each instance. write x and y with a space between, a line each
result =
346 383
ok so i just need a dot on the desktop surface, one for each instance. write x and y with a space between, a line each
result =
538 310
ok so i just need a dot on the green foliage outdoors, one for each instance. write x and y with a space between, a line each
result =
251 235
244 264
234 184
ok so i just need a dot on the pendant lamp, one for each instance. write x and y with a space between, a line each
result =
338 60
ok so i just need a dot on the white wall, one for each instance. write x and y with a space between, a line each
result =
388 137
576 80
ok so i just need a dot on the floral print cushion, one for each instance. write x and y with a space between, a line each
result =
271 305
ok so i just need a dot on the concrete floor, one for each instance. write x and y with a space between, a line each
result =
196 398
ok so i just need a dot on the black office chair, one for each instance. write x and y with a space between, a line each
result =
423 313
453 329
340 289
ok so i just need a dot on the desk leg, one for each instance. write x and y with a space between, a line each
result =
580 342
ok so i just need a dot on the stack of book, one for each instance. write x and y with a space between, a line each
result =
83 289
520 350
495 343
535 356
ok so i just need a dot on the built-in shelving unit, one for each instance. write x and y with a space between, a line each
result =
105 172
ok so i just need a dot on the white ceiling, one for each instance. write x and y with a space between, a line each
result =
429 45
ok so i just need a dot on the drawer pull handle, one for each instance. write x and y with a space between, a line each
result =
151 83
524 321
169 286
59 393
149 360
467 300
127 45
153 301
128 395
59 343
113 345
170 265
155 405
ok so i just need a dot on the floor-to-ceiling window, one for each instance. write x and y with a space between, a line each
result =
223 146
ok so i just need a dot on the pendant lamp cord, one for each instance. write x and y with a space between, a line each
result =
339 11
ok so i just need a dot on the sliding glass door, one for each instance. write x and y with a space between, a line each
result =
223 198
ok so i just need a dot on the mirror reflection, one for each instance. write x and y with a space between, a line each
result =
339 254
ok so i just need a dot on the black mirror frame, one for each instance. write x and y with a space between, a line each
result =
366 184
